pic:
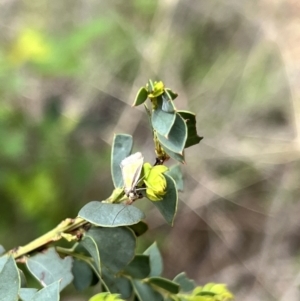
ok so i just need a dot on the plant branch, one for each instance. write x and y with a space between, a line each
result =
62 230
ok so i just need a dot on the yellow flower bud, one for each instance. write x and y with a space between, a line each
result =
155 181
158 89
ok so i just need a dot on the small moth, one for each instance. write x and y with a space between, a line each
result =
131 170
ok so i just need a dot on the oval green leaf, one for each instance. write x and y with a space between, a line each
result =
175 173
175 156
83 275
121 148
177 136
139 267
26 294
49 293
146 292
169 203
186 284
116 246
162 121
172 95
167 103
110 215
117 284
91 246
9 279
156 263
166 284
141 97
190 119
48 267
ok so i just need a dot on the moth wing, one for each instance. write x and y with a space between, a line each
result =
131 169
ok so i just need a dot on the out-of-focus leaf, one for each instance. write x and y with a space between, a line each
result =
2 250
110 215
168 206
164 283
186 284
156 263
121 149
9 279
48 267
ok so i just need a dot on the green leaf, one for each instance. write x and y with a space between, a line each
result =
110 215
139 229
83 275
168 205
177 136
175 156
175 173
116 246
150 86
121 148
186 284
156 263
139 267
48 293
48 267
91 246
162 121
117 285
167 103
145 292
192 137
22 278
164 283
3 261
26 294
172 95
9 279
141 97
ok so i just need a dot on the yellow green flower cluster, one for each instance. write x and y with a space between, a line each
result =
155 181
106 297
211 292
157 89
30 45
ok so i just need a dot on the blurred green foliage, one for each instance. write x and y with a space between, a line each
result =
57 57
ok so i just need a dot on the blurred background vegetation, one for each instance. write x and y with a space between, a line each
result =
69 73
